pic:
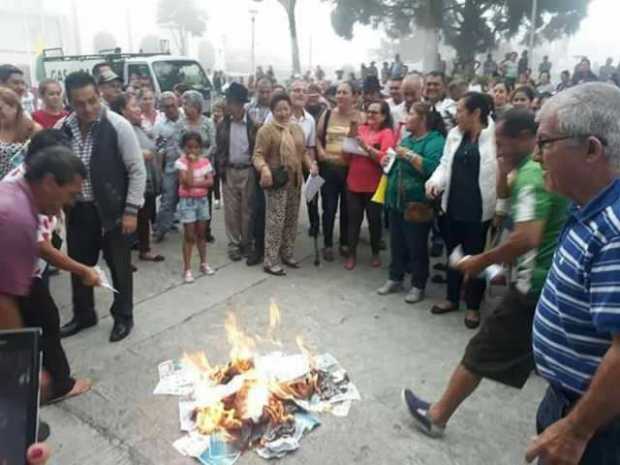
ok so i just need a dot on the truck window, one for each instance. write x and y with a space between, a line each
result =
139 75
172 72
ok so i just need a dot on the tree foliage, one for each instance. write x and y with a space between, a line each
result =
470 26
183 18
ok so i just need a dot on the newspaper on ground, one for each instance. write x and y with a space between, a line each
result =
174 379
278 448
334 393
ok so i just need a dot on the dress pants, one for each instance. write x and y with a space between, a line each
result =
257 219
85 240
333 192
409 249
357 204
239 187
146 215
39 310
168 203
282 215
472 237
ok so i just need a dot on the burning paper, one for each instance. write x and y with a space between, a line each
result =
253 401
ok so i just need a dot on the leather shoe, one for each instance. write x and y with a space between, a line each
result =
75 326
255 258
120 330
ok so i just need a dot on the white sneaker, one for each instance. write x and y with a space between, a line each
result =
414 295
390 287
216 204
188 278
206 269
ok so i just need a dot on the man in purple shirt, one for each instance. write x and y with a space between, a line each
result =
53 180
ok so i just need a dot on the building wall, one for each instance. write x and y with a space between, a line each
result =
27 28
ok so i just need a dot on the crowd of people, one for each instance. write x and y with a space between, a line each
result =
484 169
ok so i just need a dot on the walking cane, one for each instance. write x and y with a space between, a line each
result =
317 257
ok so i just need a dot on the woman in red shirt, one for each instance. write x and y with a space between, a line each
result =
375 138
50 92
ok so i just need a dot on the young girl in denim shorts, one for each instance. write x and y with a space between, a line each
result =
195 179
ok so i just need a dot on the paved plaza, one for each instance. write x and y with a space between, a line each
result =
384 343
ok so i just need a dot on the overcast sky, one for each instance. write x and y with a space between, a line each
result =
229 21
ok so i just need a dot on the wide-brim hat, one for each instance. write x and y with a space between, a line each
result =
106 76
237 92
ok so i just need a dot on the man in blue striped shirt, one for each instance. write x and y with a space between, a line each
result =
576 333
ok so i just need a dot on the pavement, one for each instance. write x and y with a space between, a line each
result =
384 344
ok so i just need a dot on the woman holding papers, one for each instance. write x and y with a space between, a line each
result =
466 182
374 138
333 128
279 154
411 215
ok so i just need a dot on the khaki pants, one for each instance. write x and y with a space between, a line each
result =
281 215
238 190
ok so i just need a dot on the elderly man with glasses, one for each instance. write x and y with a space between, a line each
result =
576 335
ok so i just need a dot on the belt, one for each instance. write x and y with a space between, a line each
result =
239 166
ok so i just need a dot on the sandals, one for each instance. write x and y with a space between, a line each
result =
349 263
472 323
290 263
80 386
274 270
443 309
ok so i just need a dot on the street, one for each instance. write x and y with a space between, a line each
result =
382 342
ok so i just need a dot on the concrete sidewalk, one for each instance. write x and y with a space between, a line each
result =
383 343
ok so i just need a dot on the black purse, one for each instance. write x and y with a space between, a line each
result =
279 177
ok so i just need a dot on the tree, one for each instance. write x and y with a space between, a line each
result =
469 26
289 6
103 40
183 18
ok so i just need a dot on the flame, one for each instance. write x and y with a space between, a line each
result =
242 351
234 394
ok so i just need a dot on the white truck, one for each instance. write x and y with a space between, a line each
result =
163 70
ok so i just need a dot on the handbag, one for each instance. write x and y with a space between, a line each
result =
280 177
419 212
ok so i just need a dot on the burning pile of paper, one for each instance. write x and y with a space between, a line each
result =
261 402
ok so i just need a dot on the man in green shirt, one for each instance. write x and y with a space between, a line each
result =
502 349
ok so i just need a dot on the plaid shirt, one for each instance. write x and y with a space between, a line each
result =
83 148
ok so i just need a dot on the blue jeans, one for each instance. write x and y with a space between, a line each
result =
603 448
409 249
169 199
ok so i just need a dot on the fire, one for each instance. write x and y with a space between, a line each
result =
234 395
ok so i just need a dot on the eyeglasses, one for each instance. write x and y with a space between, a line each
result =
545 143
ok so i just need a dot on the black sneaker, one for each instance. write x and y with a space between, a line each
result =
418 409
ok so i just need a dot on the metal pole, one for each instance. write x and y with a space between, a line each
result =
533 29
253 46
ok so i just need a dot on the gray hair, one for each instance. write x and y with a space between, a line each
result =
167 95
193 98
591 109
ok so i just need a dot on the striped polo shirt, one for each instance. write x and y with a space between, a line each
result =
579 308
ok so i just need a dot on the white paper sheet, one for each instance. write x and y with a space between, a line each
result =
351 145
312 187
